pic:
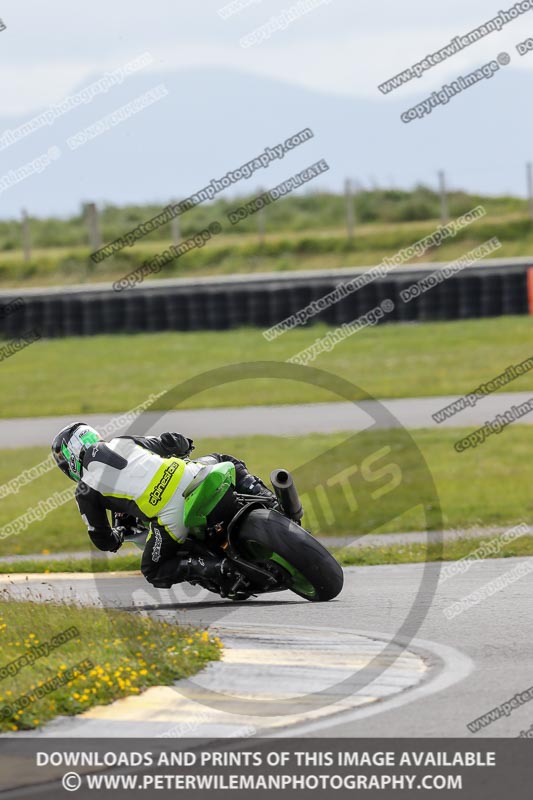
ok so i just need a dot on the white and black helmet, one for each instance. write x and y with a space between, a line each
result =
69 446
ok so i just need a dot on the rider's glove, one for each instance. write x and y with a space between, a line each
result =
176 444
118 534
123 520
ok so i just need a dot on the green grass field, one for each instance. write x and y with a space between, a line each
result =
301 232
68 266
489 486
346 556
128 654
422 553
115 373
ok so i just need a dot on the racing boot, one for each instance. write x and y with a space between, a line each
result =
191 567
216 572
204 567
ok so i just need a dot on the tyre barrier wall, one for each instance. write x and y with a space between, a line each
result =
479 292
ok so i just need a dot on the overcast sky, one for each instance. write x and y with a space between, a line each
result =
341 46
340 50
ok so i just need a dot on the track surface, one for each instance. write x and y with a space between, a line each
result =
496 636
283 420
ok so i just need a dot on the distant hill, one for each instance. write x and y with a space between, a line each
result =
213 121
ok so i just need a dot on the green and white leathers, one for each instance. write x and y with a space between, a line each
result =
152 486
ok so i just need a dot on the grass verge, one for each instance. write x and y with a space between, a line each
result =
106 655
119 372
309 241
486 487
346 556
418 553
92 566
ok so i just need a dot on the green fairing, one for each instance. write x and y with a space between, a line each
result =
203 499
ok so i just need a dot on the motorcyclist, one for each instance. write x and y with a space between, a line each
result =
143 478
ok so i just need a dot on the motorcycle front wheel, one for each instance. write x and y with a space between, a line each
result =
266 536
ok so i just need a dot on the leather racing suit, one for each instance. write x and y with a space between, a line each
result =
143 478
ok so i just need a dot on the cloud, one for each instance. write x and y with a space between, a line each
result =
339 47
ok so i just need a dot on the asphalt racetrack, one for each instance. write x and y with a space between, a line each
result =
385 659
335 669
291 420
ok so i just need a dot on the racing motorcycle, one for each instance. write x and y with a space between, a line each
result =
263 544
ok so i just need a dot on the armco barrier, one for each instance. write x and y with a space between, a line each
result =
262 301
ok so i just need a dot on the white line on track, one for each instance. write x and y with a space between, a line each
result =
453 667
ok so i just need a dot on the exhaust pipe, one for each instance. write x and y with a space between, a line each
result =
287 494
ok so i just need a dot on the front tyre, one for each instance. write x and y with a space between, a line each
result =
265 536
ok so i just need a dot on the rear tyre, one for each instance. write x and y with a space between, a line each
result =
265 536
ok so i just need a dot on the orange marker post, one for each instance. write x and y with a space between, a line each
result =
530 289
